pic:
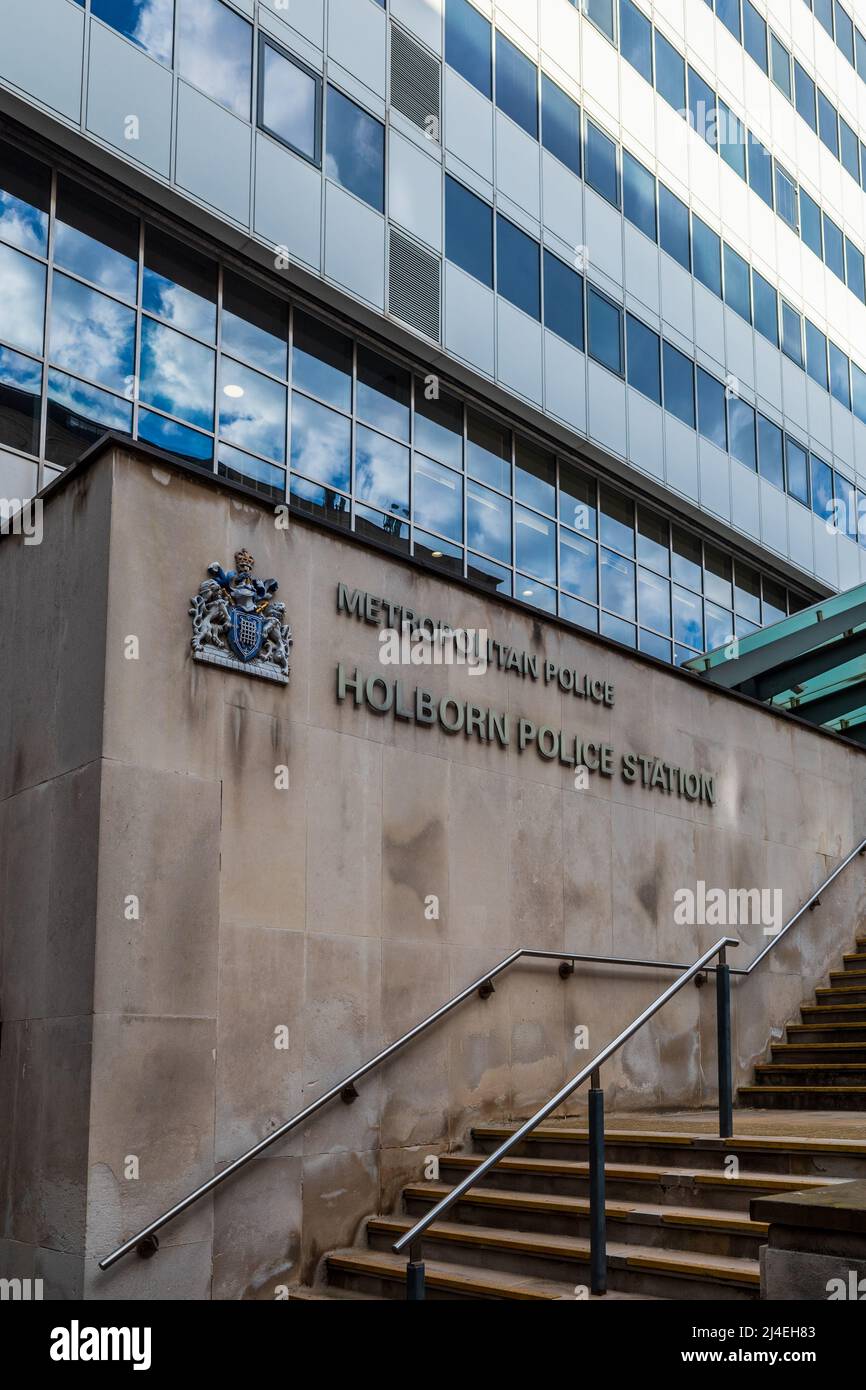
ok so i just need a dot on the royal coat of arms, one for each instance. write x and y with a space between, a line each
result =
237 622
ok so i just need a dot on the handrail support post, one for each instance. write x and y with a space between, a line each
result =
723 1024
415 1290
597 1219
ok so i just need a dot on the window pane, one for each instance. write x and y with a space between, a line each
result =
321 443
766 308
688 619
321 361
516 85
823 10
792 334
674 227
488 522
654 601
718 576
780 60
844 31
517 267
653 541
600 170
95 240
467 44
797 471
703 112
78 415
560 124
846 506
577 565
770 463
786 198
849 149
828 126
577 612
720 627
618 585
255 324
148 23
601 13
760 171
438 498
747 593
92 335
774 606
289 102
638 195
577 499
174 438
855 270
535 544
816 355
679 385
491 575
25 197
810 219
711 410
840 385
834 254
728 12
535 477
642 357
858 383
468 232
262 477
313 500
539 595
605 331
732 140
215 51
22 300
563 300
488 452
654 646
741 430
635 39
804 95
20 396
754 34
617 520
381 472
707 253
383 393
180 284
686 559
822 487
176 375
356 150
670 73
737 284
438 426
252 410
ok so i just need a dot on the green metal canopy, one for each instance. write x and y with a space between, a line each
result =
812 663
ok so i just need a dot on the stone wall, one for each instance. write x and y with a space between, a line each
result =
303 914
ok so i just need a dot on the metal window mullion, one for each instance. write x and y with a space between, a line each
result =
139 328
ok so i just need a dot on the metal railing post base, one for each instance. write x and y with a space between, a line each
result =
723 1019
597 1220
415 1280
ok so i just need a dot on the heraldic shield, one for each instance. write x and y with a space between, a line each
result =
238 623
245 633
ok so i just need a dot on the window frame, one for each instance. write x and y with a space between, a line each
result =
265 41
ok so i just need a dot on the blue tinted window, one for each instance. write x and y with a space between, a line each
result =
78 415
255 324
760 170
252 410
840 385
673 226
732 140
780 65
770 442
516 85
797 471
92 335
822 487
792 334
849 149
810 223
804 95
604 330
712 423
289 102
22 300
381 471
488 522
95 239
577 565
563 300
858 384
786 198
635 39
703 116
670 73
638 195
860 52
517 267
642 350
560 124
846 506
438 498
384 391
754 34
823 11
468 231
180 284
707 255
215 51
828 126
737 284
844 32
816 354
600 164
729 13
321 361
679 385
467 44
601 13
854 270
834 254
766 308
535 545
175 438
356 150
20 401
741 428
188 390
25 197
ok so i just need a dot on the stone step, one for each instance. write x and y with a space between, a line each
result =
854 960
773 1097
819 1031
832 1013
834 995
385 1272
699 1229
825 1073
821 1052
631 1268
847 976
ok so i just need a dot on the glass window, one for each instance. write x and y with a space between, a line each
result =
849 149
728 12
703 113
617 520
601 14
321 443
535 544
467 44
679 385
816 354
737 293
290 100
313 500
707 255
166 434
810 220
25 197
438 498
176 374
688 619
78 415
840 384
653 541
792 334
642 356
780 65
760 170
797 471
563 300
858 387
180 284
822 487
578 560
383 393
578 612
604 327
577 499
718 576
618 584
254 324
639 195
148 23
92 335
356 150
488 452
732 140
741 431
747 593
252 410
720 627
774 602
766 308
804 95
754 34
381 472
539 595
488 522
844 31
834 254
854 270
438 423
252 472
516 85
321 361
860 51
786 198
20 398
618 630
600 164
491 575
560 124
846 506
828 125
535 477
712 423
770 461
517 267
22 301
468 232
670 73
861 516
674 227
95 239
823 10
655 646
686 559
215 51
635 39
